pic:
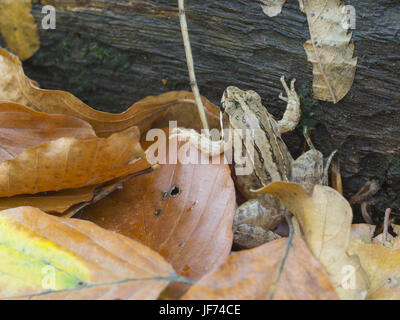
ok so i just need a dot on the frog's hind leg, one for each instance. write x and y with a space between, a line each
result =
292 114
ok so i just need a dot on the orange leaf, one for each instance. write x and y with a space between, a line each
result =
189 224
46 257
252 274
62 152
175 105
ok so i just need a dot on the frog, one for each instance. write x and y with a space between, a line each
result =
255 219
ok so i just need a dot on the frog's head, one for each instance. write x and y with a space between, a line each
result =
234 98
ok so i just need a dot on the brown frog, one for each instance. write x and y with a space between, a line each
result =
271 161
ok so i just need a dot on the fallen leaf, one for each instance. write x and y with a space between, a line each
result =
18 28
146 113
362 231
62 152
251 274
329 49
382 266
46 257
325 218
272 7
183 211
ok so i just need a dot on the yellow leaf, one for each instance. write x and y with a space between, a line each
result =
46 257
325 218
382 266
18 27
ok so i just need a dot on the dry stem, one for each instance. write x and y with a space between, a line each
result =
189 60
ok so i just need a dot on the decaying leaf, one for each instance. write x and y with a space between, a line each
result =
46 257
18 28
151 111
251 274
329 49
272 7
62 152
183 211
325 218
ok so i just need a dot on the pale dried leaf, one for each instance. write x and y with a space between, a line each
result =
329 49
382 265
325 218
272 7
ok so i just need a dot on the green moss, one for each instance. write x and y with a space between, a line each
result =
308 106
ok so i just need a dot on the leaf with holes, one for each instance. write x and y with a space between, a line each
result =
183 211
46 257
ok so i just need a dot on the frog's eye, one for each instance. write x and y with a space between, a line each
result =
222 107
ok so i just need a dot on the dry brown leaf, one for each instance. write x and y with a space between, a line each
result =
146 113
329 49
41 254
18 28
62 152
325 218
251 274
272 7
54 202
382 265
189 224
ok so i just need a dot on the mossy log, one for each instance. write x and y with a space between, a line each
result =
112 53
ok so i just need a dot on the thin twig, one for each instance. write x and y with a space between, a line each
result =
289 244
386 225
190 65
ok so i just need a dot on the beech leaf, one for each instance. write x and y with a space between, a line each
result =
46 257
183 211
325 218
329 49
252 274
62 152
146 113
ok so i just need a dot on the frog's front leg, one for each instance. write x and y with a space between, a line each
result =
292 114
253 221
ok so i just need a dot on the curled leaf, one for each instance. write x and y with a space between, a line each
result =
62 152
146 113
325 218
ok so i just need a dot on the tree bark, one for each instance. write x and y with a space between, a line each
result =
112 53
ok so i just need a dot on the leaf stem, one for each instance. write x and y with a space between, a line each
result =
190 65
